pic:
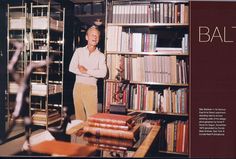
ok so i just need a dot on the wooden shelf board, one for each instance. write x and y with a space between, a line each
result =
149 24
146 53
152 83
176 153
159 113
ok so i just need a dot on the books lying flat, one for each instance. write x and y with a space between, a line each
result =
42 23
61 148
41 118
111 119
169 50
40 89
98 131
19 23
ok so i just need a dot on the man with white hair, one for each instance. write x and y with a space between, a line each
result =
88 64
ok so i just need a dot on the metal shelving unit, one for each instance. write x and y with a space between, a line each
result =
47 41
17 31
18 25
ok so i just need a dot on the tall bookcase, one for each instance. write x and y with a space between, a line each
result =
47 41
40 28
18 31
147 45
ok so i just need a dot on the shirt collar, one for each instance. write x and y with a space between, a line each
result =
95 51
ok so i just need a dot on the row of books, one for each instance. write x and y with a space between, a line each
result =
177 136
125 41
37 23
130 42
141 97
150 13
160 69
166 101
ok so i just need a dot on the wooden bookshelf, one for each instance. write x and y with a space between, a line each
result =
142 49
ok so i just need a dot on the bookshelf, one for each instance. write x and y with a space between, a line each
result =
47 41
17 31
147 45
40 27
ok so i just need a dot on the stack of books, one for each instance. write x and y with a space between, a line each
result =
110 131
41 117
109 143
111 125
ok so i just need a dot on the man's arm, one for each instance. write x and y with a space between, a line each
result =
74 64
102 68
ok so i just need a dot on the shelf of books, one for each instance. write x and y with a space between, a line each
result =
147 51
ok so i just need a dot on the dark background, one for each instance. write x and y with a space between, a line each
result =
76 24
213 77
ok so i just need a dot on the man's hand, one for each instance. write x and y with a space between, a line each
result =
82 69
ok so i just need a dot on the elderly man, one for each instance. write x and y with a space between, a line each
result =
88 64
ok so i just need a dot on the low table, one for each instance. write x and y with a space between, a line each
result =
104 147
140 148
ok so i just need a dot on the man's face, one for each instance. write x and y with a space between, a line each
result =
92 37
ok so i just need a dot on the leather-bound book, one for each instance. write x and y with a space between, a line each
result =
110 126
112 132
111 119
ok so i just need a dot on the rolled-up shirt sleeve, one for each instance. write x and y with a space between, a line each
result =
102 68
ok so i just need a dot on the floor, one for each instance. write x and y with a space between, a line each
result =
15 144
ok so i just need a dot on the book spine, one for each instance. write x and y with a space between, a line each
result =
107 121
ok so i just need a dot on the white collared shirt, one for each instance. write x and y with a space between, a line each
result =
94 62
